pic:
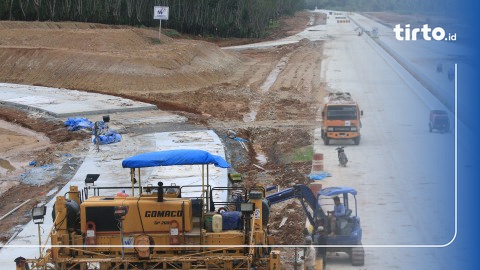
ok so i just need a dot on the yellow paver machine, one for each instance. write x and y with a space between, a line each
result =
155 227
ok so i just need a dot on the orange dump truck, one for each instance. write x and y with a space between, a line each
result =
341 118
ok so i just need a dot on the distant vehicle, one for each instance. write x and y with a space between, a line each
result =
439 67
439 120
341 118
451 74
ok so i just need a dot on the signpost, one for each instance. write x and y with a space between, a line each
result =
160 13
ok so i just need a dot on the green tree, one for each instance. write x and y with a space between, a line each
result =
242 18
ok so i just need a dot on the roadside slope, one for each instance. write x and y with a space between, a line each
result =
113 59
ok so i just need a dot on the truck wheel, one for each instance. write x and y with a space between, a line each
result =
356 140
429 127
357 256
326 140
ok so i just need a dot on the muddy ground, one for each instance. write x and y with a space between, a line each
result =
219 89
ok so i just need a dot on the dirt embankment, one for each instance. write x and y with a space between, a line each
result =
115 61
221 89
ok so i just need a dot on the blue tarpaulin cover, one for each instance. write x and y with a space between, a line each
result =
76 123
104 133
238 139
231 220
319 176
111 137
174 157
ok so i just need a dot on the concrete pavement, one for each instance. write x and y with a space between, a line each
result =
139 122
66 103
399 167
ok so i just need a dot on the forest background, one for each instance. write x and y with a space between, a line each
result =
219 18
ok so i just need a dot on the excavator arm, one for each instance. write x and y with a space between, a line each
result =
306 197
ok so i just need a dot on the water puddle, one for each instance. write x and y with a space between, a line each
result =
261 157
5 164
52 192
250 117
272 77
269 81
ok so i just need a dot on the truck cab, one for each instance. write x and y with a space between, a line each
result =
341 118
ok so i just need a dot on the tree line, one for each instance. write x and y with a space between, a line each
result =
224 18
239 18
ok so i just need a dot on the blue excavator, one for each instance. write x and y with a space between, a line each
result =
347 234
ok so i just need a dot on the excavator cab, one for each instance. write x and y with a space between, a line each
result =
347 229
348 232
345 223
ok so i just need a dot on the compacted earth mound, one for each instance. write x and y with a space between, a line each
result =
108 59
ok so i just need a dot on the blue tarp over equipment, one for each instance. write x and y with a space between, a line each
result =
76 123
104 133
174 157
111 137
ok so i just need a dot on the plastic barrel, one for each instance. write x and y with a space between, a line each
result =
217 223
208 222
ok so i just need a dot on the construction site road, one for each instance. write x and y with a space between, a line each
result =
63 103
399 166
272 98
203 86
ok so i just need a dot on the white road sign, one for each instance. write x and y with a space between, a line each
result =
160 13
